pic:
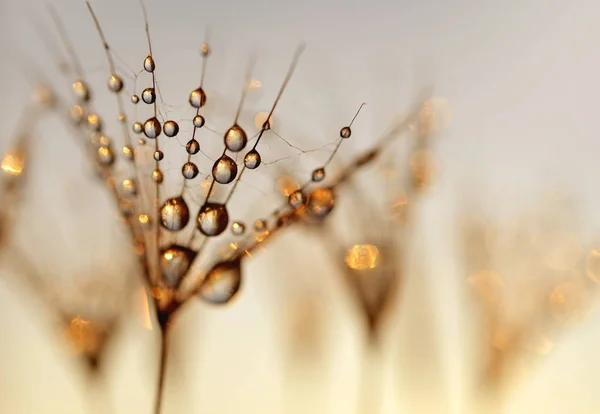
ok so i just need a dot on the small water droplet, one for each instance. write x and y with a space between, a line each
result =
144 220
129 187
252 159
81 91
158 155
235 138
171 128
296 199
76 114
205 49
212 219
157 176
260 225
198 121
174 214
238 228
345 132
224 170
152 128
192 147
115 83
148 96
106 156
318 175
320 202
189 170
137 127
94 122
222 282
135 99
175 261
121 117
128 152
149 64
197 98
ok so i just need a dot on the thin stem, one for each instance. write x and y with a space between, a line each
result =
164 351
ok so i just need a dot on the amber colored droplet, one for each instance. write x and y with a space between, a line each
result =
171 128
198 121
197 98
129 187
592 265
81 91
157 176
213 219
76 114
189 170
362 257
238 228
296 199
174 214
205 49
158 155
149 65
320 202
192 147
152 128
260 225
318 175
148 96
94 122
137 127
252 160
222 283
115 83
345 132
13 163
144 219
175 261
106 156
235 138
135 99
224 170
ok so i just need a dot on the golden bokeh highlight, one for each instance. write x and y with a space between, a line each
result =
13 164
592 265
362 257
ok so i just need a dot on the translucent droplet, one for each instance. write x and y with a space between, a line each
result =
345 132
152 128
171 128
94 122
158 155
81 91
318 174
144 220
235 138
137 127
192 147
115 83
129 187
149 64
13 163
260 225
224 170
238 228
175 261
197 98
135 99
222 282
128 152
76 114
106 156
213 219
199 121
174 214
189 170
320 202
296 199
148 95
157 176
252 159
205 49
121 117
362 257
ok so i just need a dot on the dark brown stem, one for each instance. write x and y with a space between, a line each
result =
164 352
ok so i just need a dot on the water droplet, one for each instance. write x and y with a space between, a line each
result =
148 95
320 202
121 117
252 160
189 170
129 187
175 261
157 176
197 98
224 170
345 132
76 114
144 220
238 228
137 127
235 138
128 152
296 199
318 174
94 122
171 128
158 155
149 64
174 214
222 282
81 91
135 99
198 121
152 128
115 83
205 49
362 257
260 225
106 156
192 147
213 219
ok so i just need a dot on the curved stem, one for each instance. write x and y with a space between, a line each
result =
162 369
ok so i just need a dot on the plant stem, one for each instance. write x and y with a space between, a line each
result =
164 350
370 381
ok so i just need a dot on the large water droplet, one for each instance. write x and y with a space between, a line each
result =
213 219
252 159
318 175
198 121
149 64
238 228
345 132
235 138
189 170
222 282
171 128
148 95
197 98
174 214
192 147
81 91
320 202
152 128
224 170
296 199
115 83
175 261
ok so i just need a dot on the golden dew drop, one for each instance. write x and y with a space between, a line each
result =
235 138
175 261
149 65
213 219
320 202
197 98
318 175
148 96
171 128
238 228
222 282
192 147
115 83
174 214
252 160
189 170
152 128
224 170
198 121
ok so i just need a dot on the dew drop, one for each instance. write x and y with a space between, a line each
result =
235 138
149 64
296 199
152 128
148 95
76 114
129 187
144 220
157 176
252 159
318 175
174 214
175 261
115 83
121 117
224 170
238 228
189 170
222 282
320 202
81 91
137 127
128 152
199 121
158 155
197 98
106 156
192 147
345 132
171 128
135 99
205 49
260 225
94 122
213 219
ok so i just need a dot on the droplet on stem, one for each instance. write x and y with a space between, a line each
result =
158 155
197 98
137 127
212 219
81 91
235 138
152 128
192 147
320 202
222 282
175 261
115 83
148 96
224 170
252 160
296 199
318 175
198 121
149 65
174 214
238 228
171 128
189 170
345 132
135 99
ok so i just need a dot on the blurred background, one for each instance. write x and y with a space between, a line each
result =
498 264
